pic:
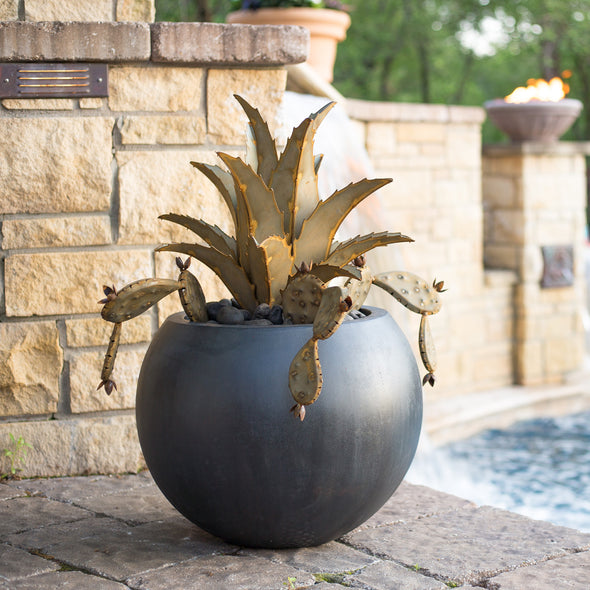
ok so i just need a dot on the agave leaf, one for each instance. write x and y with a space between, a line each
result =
243 229
320 114
279 265
265 147
294 180
318 162
350 249
283 179
306 187
271 264
224 183
225 267
327 272
265 218
135 298
212 234
251 156
318 230
259 270
307 195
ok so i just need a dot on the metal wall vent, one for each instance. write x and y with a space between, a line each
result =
47 80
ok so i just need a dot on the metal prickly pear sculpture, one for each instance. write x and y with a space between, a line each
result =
416 295
282 252
305 376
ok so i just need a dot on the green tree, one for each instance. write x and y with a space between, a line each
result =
563 44
407 50
192 10
418 50
546 37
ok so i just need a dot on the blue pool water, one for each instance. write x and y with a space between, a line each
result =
539 468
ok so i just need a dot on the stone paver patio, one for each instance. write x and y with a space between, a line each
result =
116 532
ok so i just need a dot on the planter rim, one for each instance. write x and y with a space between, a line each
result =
180 318
303 13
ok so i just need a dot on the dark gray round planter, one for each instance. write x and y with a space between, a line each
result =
215 429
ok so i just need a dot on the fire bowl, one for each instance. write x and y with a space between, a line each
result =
535 120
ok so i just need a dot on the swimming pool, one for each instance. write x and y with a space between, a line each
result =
539 468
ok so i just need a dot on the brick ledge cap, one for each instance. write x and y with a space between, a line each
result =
123 42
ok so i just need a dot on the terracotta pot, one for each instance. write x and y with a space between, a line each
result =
535 120
326 27
216 432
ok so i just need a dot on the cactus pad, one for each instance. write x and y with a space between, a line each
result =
358 290
109 360
426 345
305 374
410 290
192 297
331 312
301 298
137 297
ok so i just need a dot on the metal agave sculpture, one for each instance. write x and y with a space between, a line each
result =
283 252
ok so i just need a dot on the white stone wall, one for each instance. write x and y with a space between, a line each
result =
433 154
78 10
479 225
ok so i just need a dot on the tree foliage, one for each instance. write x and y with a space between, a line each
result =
420 50
424 50
192 10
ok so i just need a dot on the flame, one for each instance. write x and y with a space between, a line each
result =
540 89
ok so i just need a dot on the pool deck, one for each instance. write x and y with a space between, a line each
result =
116 532
450 419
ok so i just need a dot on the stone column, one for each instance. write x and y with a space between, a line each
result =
534 200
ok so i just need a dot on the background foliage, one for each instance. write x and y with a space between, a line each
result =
448 51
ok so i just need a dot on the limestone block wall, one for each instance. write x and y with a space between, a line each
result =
433 154
535 196
82 183
480 224
78 10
